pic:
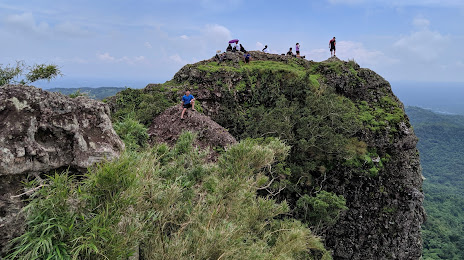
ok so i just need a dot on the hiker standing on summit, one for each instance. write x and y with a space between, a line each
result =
332 44
297 49
188 101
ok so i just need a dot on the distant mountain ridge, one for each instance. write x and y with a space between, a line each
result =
442 154
96 93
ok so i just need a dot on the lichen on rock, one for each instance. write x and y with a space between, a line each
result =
42 132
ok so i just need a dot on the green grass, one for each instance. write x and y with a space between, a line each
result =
260 66
171 204
385 113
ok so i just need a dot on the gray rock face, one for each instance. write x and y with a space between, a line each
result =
42 132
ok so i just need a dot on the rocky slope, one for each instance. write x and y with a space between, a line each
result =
42 132
168 126
348 131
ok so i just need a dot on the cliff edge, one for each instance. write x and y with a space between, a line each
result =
348 132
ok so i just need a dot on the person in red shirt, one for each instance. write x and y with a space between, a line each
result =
332 44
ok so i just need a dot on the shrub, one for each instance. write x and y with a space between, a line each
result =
133 133
322 211
170 204
36 72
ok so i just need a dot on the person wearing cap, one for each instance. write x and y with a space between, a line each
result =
332 44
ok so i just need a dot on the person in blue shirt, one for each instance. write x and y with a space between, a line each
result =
188 101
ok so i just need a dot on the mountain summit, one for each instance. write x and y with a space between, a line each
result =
349 135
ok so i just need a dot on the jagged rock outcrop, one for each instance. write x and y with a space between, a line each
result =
42 132
167 127
379 174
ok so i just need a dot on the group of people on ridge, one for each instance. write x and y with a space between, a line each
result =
188 100
297 50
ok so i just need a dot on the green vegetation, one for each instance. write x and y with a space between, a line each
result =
133 133
386 114
16 74
144 106
168 203
289 101
257 201
78 93
96 93
261 66
442 153
323 209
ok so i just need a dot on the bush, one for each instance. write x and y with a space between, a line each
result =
144 106
322 211
36 72
133 133
169 203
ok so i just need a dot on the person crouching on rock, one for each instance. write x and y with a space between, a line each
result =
188 101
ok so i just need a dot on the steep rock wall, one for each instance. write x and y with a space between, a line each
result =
349 134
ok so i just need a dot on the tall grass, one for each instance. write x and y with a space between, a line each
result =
168 203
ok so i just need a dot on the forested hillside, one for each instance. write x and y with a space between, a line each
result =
96 93
442 157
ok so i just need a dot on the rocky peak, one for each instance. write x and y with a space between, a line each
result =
301 101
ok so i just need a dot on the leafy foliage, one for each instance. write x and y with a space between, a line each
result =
132 133
442 153
35 73
170 204
323 210
78 93
42 71
143 105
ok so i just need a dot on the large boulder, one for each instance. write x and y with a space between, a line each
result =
167 127
42 132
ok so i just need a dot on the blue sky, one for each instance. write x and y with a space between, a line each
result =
413 40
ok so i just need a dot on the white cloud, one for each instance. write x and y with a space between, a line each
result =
356 50
426 45
185 37
148 45
26 22
421 22
177 59
217 33
70 29
106 57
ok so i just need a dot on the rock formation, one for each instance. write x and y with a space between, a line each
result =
42 132
382 186
168 126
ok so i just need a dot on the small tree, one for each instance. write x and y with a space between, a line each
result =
15 74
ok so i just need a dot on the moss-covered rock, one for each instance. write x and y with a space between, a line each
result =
348 132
